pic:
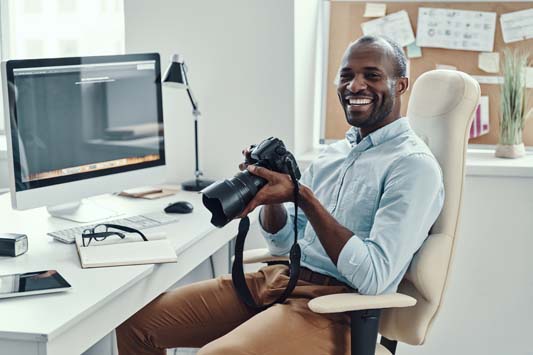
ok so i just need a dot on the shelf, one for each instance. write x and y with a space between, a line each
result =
479 162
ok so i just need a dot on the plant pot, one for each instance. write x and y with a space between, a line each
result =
510 151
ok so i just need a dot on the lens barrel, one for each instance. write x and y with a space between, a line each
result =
226 199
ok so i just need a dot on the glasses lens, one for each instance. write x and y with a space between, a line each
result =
100 228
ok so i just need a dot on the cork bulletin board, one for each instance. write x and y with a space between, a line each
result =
345 26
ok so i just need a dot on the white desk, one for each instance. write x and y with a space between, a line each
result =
100 299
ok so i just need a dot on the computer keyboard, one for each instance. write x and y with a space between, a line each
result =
142 221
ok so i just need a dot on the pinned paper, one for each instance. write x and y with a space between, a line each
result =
373 9
445 66
488 79
456 29
529 77
489 62
480 123
396 26
517 26
414 51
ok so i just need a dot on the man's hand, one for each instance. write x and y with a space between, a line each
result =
279 189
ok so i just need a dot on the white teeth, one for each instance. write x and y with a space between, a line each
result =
359 101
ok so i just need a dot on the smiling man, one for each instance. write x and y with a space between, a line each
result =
367 204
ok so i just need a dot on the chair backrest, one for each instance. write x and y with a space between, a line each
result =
440 111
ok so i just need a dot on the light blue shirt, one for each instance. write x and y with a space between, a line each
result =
387 189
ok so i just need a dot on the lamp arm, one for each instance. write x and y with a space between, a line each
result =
194 103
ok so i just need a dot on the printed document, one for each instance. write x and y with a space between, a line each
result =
456 29
517 26
396 26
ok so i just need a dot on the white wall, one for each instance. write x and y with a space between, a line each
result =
240 55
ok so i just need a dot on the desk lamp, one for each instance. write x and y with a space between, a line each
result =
176 75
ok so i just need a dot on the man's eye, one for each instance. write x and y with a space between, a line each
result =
345 77
372 75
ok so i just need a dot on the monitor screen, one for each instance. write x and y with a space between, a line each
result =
83 117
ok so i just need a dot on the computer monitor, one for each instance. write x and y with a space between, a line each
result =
82 126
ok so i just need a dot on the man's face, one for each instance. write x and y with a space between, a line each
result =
367 85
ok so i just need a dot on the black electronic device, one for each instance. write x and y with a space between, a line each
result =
13 244
32 283
225 199
179 207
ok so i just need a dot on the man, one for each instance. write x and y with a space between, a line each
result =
367 205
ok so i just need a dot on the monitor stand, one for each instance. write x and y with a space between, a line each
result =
81 212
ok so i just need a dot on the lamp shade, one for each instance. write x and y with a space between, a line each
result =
175 73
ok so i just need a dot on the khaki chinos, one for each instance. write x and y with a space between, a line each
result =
209 315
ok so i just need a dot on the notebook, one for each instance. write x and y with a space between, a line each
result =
131 250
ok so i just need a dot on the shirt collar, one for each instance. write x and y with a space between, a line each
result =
379 136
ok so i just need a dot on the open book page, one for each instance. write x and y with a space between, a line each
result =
132 250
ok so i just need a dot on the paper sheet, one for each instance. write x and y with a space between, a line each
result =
529 77
414 51
456 29
445 66
488 79
489 62
517 26
396 26
480 123
373 9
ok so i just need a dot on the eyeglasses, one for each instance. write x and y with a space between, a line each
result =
102 231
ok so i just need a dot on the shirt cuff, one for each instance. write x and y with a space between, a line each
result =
278 243
354 265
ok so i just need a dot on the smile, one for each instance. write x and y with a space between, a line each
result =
359 101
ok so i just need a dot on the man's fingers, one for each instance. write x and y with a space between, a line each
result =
246 211
262 172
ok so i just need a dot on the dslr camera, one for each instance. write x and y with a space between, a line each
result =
227 199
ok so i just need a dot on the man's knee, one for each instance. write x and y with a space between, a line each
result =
135 332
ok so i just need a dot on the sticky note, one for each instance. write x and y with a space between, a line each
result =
445 66
529 77
414 51
373 9
489 62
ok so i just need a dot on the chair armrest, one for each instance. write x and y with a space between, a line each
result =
345 302
261 256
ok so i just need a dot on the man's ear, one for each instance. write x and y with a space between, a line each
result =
402 84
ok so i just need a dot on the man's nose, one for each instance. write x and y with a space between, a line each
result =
358 83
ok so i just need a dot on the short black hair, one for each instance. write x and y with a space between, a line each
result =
397 51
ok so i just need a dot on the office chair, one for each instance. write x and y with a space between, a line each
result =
440 111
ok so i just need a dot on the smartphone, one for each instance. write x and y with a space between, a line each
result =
32 283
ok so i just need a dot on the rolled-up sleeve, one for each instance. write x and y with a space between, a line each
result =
412 199
280 242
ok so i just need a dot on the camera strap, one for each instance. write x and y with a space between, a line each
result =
237 272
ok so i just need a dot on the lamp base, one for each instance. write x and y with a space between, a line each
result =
196 185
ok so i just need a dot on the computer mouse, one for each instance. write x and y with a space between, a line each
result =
179 207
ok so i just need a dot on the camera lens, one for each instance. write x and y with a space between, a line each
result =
226 199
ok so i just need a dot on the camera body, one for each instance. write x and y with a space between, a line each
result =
272 154
227 199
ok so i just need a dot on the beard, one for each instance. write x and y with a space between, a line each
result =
376 115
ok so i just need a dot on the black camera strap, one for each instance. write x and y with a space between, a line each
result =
237 272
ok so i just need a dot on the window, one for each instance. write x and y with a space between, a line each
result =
60 28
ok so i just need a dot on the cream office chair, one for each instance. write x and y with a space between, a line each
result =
440 111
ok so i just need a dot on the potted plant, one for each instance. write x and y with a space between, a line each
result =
513 110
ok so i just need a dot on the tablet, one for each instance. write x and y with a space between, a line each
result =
32 283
